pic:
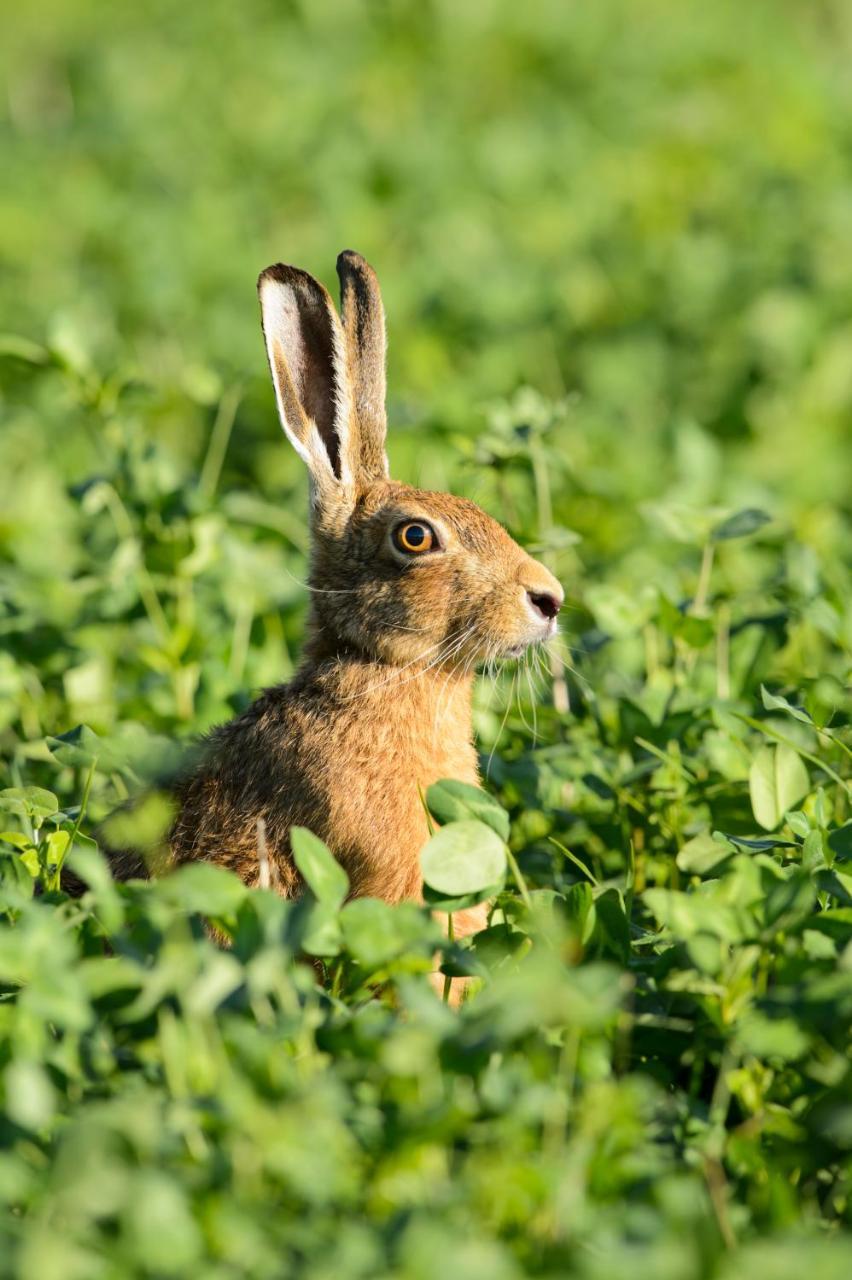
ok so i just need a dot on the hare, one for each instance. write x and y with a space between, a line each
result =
409 591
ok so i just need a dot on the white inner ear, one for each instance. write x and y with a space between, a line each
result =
283 339
287 353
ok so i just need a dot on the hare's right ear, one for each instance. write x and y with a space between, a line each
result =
307 359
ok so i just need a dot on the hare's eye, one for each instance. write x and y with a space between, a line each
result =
414 537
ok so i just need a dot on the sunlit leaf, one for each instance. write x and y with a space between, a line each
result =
323 874
740 525
453 801
778 779
463 857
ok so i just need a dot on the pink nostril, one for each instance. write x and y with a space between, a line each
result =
544 603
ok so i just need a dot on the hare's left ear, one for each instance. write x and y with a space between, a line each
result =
364 329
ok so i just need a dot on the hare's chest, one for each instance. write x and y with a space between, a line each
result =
416 745
376 820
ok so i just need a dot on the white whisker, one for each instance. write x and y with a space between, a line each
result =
502 727
445 650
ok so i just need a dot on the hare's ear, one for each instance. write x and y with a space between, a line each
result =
364 327
307 359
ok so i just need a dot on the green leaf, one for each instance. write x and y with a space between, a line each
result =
79 746
370 931
459 902
798 823
695 632
453 801
463 857
840 842
760 845
16 874
777 780
205 888
26 853
790 901
321 934
688 914
771 1037
836 922
580 909
376 933
56 847
322 873
13 344
612 931
813 851
30 802
161 1233
89 865
30 1096
740 525
775 702
702 855
705 950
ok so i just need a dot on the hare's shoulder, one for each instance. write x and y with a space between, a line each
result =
274 712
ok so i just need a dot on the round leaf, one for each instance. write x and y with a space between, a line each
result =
454 801
463 857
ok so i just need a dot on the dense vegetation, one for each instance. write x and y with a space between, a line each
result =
643 211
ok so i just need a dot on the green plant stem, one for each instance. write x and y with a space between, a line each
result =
240 641
84 804
702 590
723 648
448 982
519 879
147 590
662 756
430 825
572 857
220 436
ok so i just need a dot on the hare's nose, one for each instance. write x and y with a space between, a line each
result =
545 603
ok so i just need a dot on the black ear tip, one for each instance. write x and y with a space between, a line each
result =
278 273
351 263
298 282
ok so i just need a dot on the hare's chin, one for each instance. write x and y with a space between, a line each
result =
518 650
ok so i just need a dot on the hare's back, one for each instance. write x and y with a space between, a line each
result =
250 783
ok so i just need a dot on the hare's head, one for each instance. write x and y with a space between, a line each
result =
397 573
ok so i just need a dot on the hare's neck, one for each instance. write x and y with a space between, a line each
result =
415 709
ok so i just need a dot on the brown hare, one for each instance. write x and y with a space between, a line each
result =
409 591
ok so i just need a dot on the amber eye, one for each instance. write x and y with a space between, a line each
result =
414 537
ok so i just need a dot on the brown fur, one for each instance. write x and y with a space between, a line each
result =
381 707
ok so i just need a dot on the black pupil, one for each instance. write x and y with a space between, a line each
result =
415 535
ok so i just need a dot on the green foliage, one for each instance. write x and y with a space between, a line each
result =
463 857
641 210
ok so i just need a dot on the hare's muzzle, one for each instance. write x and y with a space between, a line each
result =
543 597
544 603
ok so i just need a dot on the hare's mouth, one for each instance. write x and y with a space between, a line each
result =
518 650
541 636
